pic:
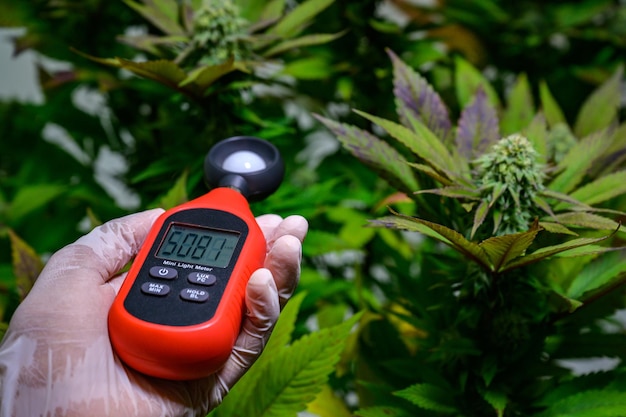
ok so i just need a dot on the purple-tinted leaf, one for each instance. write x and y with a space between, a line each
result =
478 127
548 251
451 237
578 161
479 216
200 79
453 192
557 228
406 223
375 153
587 220
53 80
420 141
601 108
415 97
26 264
431 172
161 70
503 249
151 43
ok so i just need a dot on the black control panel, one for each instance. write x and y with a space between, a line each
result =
183 279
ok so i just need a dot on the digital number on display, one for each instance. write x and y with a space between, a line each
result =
201 246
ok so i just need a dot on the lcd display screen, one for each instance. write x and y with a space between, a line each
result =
198 245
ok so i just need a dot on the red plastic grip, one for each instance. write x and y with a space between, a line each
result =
195 351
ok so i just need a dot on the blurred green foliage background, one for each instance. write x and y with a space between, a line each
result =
113 135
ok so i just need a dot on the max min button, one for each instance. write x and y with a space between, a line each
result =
154 288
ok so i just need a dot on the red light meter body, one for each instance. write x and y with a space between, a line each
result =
178 313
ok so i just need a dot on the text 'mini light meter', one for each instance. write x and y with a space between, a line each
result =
178 313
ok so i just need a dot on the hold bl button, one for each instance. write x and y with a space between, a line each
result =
192 294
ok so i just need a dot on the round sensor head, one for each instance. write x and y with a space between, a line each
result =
249 164
243 162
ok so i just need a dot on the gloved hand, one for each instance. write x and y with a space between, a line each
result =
56 358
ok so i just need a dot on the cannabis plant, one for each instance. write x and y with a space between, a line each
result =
520 269
204 40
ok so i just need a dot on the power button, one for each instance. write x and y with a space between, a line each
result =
163 272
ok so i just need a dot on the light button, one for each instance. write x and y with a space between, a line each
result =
163 272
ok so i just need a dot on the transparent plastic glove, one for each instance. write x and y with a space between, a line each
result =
56 358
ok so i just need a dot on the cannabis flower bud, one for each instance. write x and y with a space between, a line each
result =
218 32
510 178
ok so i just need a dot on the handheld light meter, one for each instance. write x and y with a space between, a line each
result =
178 313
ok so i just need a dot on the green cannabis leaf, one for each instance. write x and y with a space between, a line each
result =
176 195
292 374
592 403
430 397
